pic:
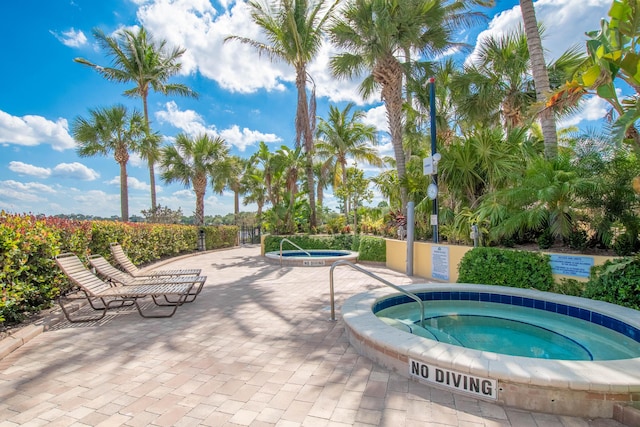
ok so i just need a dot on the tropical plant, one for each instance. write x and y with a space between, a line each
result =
195 162
110 130
137 59
546 197
294 30
355 190
343 136
379 36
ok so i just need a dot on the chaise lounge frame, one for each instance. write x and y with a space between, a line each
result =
95 289
123 260
118 277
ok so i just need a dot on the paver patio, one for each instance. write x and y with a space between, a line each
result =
256 348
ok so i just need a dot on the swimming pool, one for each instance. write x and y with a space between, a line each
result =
311 257
510 329
586 388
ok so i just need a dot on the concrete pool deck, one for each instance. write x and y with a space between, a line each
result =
256 348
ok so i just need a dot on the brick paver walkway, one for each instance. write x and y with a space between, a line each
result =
256 348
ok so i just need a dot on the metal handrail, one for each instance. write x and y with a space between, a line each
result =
378 278
282 241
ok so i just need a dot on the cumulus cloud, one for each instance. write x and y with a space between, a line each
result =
197 26
27 169
377 116
14 191
73 170
133 183
71 38
565 23
35 130
594 108
193 124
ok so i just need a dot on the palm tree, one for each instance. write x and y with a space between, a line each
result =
136 58
376 34
294 29
540 77
195 161
109 130
233 177
342 136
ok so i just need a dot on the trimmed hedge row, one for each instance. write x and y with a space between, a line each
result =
29 277
369 248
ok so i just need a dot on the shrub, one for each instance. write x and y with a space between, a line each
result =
504 267
29 279
372 249
616 282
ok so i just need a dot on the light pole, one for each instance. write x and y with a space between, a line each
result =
433 187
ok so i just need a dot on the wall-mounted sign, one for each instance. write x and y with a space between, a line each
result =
569 265
440 262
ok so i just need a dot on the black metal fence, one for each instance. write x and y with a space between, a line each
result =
249 233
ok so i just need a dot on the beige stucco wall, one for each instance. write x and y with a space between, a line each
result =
423 252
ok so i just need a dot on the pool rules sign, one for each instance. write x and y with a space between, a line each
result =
477 386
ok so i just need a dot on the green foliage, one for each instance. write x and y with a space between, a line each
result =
570 287
616 282
29 277
545 240
338 241
504 267
372 249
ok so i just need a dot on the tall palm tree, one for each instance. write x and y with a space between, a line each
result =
377 34
342 136
109 130
194 162
540 77
294 29
137 59
233 177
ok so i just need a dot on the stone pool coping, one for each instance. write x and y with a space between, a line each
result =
583 388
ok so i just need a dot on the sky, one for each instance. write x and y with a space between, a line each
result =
243 98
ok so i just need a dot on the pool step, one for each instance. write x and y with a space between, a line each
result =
628 415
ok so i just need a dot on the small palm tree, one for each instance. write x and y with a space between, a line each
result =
137 59
343 136
111 130
294 29
195 162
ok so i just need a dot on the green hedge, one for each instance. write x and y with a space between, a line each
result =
372 249
337 241
505 267
617 282
29 277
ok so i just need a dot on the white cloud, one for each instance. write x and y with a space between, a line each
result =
246 137
594 108
565 23
133 183
35 130
377 116
198 27
27 169
193 124
71 38
75 170
14 191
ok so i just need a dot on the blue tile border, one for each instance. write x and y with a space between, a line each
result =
563 309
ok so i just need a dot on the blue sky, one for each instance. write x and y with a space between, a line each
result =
243 98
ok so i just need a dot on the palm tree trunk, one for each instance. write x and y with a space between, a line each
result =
124 192
200 187
389 74
540 77
303 130
152 174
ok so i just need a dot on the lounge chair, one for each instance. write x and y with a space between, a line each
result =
95 289
123 260
118 277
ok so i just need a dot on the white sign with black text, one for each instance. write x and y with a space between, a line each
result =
478 386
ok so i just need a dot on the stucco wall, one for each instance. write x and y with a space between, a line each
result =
423 255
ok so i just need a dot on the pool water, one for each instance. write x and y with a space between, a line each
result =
512 330
315 253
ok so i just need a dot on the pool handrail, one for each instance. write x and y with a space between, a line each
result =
374 276
282 241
